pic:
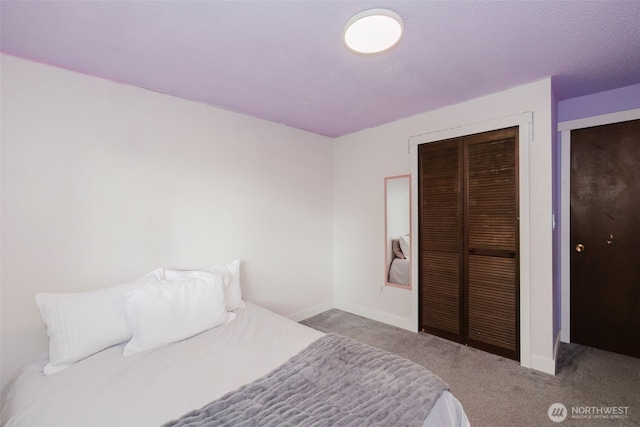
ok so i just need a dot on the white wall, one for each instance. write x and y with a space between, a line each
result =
102 182
361 162
363 159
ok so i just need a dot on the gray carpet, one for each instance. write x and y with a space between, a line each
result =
495 391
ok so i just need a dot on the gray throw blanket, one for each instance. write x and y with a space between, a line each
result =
335 381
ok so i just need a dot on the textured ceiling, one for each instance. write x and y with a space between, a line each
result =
284 61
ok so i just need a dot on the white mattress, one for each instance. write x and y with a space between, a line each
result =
156 386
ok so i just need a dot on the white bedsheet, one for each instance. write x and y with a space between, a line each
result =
156 386
399 272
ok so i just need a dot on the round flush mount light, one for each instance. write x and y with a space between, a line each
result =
373 31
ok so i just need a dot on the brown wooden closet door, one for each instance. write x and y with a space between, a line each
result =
491 239
441 243
468 240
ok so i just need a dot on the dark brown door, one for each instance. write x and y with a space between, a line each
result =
491 239
441 242
605 236
468 240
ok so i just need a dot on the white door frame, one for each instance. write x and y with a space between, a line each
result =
525 123
565 129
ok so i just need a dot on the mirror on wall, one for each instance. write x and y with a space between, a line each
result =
397 216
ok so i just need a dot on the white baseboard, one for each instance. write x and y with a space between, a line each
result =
389 319
311 311
544 364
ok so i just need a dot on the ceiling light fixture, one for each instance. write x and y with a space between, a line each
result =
373 31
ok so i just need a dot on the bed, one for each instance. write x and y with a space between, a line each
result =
399 270
170 382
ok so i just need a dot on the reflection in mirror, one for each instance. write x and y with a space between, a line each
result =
397 201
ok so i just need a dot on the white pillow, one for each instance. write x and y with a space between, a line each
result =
174 310
405 246
80 324
232 288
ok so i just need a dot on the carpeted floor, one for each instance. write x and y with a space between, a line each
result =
495 391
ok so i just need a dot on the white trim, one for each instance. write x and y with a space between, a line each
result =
604 119
413 151
544 364
311 311
470 129
565 236
526 133
525 138
565 129
379 316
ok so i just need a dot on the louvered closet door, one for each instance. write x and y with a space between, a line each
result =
468 240
441 242
491 238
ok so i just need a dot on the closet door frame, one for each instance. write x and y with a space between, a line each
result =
524 121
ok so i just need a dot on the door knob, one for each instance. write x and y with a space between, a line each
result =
580 247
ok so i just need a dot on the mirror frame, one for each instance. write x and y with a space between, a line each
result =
388 258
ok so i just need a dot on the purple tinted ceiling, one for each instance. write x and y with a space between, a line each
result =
284 61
